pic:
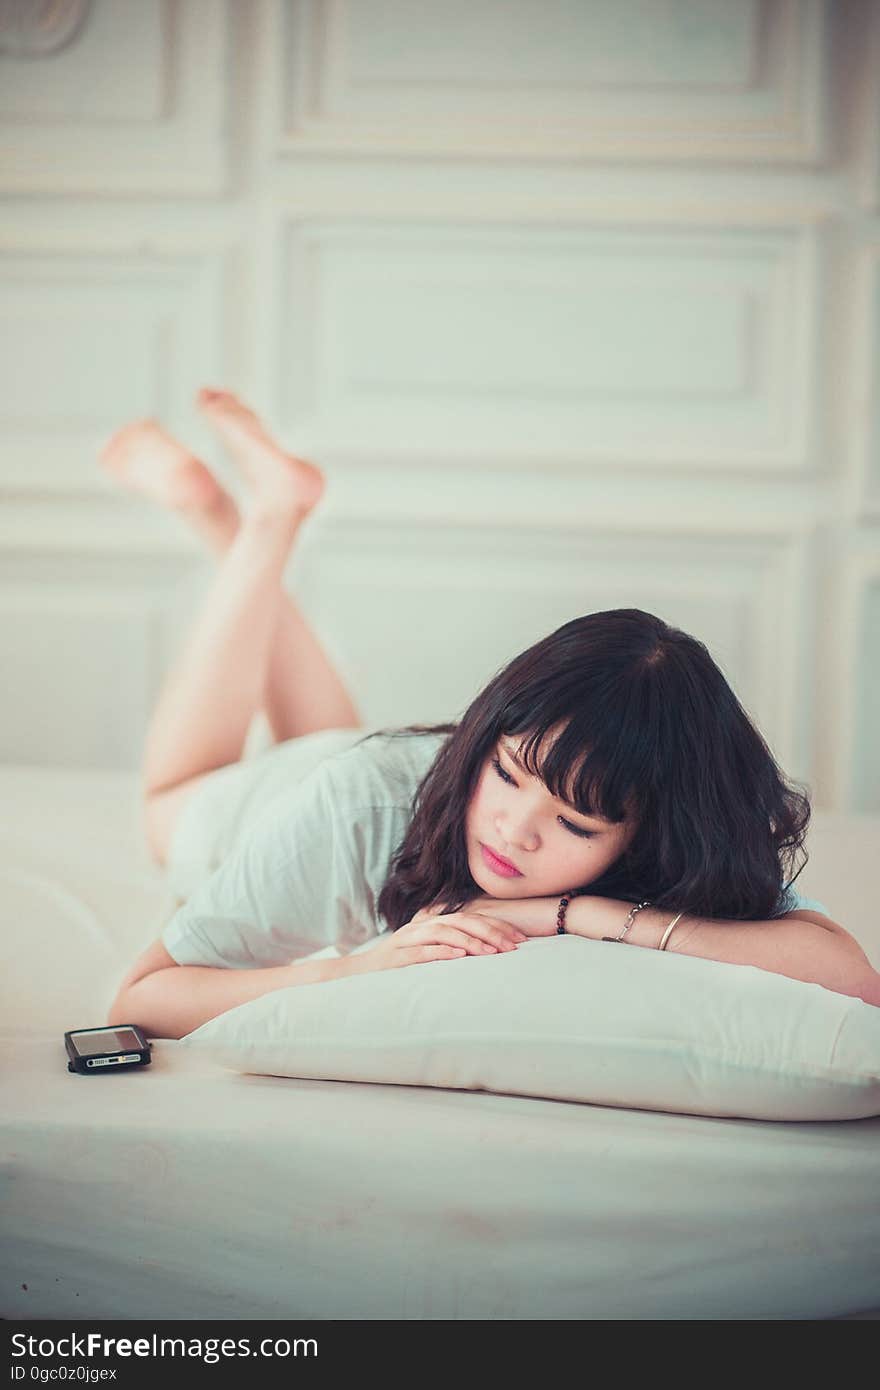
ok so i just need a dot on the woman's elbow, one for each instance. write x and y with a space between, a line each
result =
154 958
869 989
143 1004
865 980
120 1009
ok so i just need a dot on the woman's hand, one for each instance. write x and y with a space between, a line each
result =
531 916
431 936
482 903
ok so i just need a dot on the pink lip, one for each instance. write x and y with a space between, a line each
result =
499 865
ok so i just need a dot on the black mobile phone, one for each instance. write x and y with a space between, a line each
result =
107 1049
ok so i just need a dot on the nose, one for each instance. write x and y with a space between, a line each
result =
517 832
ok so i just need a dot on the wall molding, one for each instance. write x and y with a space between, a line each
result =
758 410
864 402
858 686
157 126
73 315
762 96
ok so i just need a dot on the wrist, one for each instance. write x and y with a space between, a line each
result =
314 972
534 916
595 918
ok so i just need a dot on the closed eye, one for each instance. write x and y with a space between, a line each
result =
505 777
574 829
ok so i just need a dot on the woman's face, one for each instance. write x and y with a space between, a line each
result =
554 847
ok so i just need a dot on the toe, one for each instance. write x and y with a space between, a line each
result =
108 448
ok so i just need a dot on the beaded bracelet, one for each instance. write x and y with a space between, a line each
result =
629 921
561 911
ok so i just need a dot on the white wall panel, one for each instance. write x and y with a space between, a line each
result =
555 79
421 618
576 303
866 60
865 742
88 341
859 686
865 395
136 103
645 346
84 648
87 86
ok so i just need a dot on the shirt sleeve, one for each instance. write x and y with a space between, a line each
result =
294 886
790 901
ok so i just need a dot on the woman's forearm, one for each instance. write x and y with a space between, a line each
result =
170 1003
800 949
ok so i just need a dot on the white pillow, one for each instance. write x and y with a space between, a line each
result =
570 1019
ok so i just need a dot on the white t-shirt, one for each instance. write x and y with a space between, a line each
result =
308 874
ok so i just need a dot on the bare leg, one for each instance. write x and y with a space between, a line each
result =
210 697
302 691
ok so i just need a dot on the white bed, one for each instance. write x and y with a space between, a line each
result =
185 1191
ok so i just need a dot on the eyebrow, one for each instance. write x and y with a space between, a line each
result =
514 757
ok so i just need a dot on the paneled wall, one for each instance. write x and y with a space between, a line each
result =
577 303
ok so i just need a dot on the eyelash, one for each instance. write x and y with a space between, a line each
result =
574 829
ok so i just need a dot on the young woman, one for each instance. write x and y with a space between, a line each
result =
606 782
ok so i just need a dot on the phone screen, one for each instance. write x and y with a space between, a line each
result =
98 1040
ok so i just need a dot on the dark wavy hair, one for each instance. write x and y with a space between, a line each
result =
647 727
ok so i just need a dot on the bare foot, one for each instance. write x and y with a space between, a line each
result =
280 479
144 458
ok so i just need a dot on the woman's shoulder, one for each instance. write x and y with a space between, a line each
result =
384 767
792 901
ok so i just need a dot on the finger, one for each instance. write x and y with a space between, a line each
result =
424 913
478 934
415 955
503 935
441 929
473 942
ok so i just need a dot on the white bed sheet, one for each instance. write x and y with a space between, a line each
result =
185 1191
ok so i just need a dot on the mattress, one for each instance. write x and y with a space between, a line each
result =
185 1191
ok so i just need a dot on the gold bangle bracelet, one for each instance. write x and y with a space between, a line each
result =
668 932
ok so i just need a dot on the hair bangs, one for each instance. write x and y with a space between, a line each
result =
586 772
